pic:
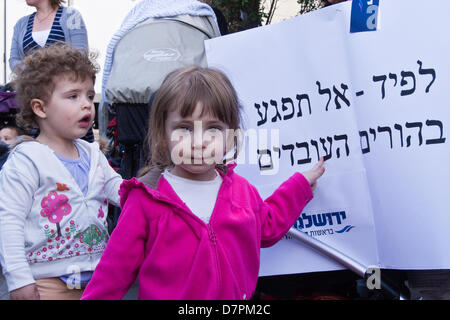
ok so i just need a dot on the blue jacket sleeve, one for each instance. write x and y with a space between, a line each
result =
16 54
75 29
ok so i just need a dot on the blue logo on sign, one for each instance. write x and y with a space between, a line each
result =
324 221
346 229
364 15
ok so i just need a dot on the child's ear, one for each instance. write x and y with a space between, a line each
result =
37 105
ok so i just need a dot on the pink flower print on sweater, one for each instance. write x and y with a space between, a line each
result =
54 207
101 214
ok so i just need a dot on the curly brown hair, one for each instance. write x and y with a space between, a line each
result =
56 3
35 77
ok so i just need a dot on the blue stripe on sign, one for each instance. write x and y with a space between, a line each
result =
364 15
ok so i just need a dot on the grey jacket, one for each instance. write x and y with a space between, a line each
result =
72 24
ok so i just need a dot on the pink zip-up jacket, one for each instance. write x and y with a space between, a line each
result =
176 255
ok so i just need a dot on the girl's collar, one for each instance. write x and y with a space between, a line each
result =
153 177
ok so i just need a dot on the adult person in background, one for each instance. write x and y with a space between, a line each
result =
50 23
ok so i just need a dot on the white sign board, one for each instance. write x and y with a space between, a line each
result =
376 105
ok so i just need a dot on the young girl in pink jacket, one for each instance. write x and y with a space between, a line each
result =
191 228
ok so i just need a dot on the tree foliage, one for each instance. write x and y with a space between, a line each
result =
245 14
310 5
239 14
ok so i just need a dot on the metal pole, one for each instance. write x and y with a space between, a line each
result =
342 259
4 41
336 255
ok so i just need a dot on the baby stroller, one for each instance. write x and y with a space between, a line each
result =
156 38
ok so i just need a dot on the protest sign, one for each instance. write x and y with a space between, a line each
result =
374 104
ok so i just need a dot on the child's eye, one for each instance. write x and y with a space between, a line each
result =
184 128
73 96
214 128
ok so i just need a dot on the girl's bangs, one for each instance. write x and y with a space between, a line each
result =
215 102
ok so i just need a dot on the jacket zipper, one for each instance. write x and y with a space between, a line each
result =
213 239
211 234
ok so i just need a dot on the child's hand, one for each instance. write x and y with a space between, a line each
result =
29 292
315 173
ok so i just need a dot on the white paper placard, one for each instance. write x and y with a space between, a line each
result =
375 103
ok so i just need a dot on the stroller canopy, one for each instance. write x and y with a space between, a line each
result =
156 38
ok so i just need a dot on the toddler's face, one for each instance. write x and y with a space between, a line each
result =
8 135
70 111
196 143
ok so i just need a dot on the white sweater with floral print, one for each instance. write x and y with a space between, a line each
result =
48 228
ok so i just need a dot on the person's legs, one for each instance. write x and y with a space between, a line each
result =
56 289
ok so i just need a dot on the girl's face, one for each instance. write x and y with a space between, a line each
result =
70 111
196 143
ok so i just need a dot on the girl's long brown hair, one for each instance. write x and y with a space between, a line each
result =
182 90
